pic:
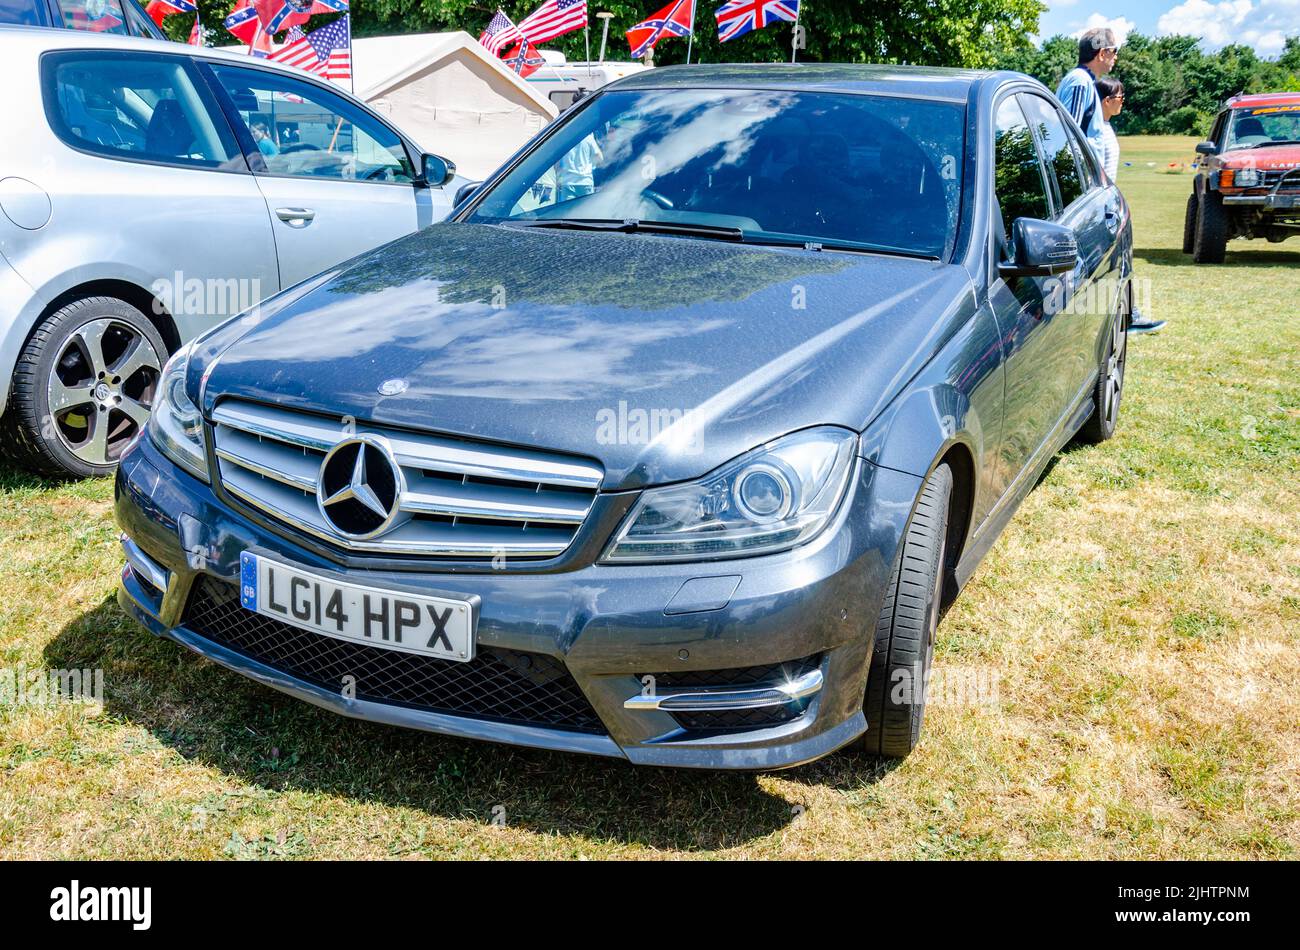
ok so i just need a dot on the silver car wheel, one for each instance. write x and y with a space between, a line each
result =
101 389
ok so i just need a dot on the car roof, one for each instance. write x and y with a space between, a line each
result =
1264 99
913 81
42 39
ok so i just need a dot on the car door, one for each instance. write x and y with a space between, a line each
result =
149 154
1085 296
1035 340
337 180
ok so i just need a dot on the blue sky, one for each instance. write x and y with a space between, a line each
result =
1263 24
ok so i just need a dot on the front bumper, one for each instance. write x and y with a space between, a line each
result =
606 626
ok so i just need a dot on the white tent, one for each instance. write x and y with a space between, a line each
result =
451 95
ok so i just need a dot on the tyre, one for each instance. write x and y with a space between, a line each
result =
1110 384
904 650
1211 230
1189 224
83 388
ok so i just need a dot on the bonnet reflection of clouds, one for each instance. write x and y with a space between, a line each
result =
566 355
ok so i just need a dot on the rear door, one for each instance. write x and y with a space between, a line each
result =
1035 339
337 180
146 151
1088 294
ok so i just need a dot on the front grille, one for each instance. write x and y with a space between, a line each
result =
1289 184
460 499
749 677
501 685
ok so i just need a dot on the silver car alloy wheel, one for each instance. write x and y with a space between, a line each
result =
101 389
1115 360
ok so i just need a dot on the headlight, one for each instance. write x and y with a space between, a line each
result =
767 500
175 425
1246 178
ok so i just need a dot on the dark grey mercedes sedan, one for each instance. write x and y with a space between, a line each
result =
674 443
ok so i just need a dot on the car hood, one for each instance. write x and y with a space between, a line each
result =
661 357
1266 157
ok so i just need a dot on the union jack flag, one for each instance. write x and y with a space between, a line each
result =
522 60
737 17
553 18
673 20
500 33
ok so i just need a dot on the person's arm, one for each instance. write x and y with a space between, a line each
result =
1076 96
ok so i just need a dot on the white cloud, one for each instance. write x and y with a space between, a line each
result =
1264 24
1121 25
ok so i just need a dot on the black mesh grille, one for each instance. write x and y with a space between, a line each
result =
503 685
742 677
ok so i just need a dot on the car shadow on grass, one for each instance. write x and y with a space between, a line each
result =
213 716
1238 256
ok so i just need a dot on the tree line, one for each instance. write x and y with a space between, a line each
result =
1171 85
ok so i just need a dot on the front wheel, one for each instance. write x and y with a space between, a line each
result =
1189 224
1211 241
904 650
83 387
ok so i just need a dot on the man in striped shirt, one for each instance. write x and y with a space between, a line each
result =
1097 53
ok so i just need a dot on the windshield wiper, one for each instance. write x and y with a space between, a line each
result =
1278 142
846 247
636 226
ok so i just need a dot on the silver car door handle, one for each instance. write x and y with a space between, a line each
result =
295 217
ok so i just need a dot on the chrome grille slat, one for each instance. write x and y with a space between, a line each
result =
413 450
470 500
270 459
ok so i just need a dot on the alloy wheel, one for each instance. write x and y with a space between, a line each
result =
1115 361
101 389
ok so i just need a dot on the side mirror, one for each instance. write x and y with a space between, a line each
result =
1040 249
435 170
466 191
1207 148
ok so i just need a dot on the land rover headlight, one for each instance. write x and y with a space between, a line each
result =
1246 178
771 499
175 425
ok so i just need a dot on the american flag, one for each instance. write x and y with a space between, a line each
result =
326 52
554 18
500 33
738 17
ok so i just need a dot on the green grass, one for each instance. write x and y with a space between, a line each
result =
1138 620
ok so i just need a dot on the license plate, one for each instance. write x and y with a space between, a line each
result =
414 623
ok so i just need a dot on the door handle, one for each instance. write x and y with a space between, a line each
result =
295 217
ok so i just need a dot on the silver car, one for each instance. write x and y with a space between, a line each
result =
149 190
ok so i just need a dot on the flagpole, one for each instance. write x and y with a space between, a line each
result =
352 69
586 38
690 38
794 38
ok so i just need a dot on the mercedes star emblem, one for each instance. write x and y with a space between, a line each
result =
359 486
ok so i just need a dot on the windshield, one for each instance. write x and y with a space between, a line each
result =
852 172
1264 125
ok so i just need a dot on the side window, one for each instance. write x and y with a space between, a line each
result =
137 107
1055 143
302 130
23 12
1018 176
1216 135
96 16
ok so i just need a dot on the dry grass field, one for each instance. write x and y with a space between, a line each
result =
1135 634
